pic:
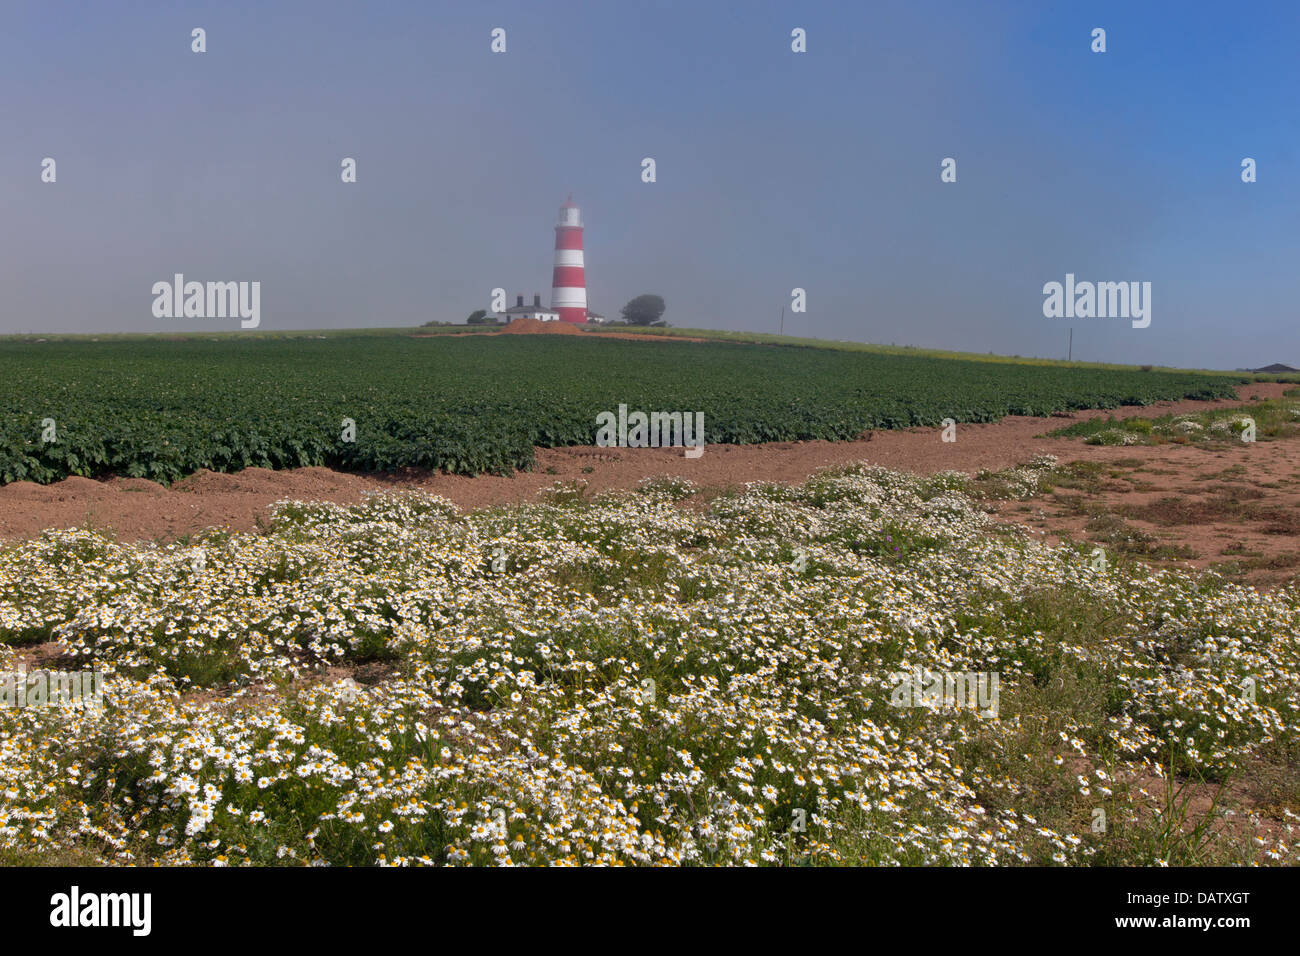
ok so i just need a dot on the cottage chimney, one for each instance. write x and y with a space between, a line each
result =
519 301
537 300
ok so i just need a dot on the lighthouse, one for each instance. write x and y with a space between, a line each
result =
569 280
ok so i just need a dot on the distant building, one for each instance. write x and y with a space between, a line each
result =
534 311
568 278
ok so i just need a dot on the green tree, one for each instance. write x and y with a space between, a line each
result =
478 317
644 310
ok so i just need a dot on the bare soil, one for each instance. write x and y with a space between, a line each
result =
1235 505
538 327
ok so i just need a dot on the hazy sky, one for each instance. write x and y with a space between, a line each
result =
775 169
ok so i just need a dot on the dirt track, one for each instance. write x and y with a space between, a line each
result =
138 509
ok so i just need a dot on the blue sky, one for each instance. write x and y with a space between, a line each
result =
775 170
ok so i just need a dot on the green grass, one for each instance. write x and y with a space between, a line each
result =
712 335
765 338
1273 418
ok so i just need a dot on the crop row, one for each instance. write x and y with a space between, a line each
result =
164 409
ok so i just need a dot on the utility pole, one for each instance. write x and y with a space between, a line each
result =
782 320
1071 355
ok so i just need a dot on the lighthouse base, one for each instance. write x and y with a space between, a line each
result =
577 316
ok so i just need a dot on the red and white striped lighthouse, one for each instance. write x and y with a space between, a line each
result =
569 281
